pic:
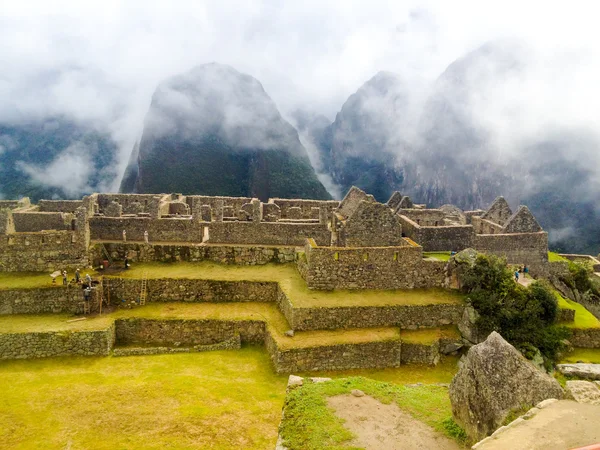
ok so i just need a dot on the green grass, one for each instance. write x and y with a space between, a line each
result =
34 280
441 256
429 336
555 257
587 355
405 374
583 318
227 399
310 425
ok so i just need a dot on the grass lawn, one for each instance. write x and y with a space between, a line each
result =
227 399
429 336
554 257
441 256
583 318
221 400
587 355
310 425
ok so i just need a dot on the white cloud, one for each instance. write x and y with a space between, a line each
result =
69 171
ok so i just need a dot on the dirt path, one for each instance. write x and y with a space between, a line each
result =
561 425
386 427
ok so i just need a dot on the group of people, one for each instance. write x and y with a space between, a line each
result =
520 270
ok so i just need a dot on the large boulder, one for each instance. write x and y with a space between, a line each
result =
494 380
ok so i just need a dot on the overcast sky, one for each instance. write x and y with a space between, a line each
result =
311 54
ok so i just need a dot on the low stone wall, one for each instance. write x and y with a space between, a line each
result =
65 206
187 332
403 267
336 357
224 254
190 290
566 315
57 343
31 221
585 338
413 353
234 343
403 316
57 299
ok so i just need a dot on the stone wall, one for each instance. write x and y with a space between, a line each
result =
402 316
424 217
372 224
187 332
440 238
57 343
352 200
42 251
521 248
484 226
231 203
7 224
189 230
335 357
369 268
585 338
413 353
65 206
37 221
306 206
241 255
133 203
191 290
56 299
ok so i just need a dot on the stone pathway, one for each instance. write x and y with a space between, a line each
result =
564 424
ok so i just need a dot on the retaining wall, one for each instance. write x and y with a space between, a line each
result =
57 343
243 255
191 290
585 338
57 299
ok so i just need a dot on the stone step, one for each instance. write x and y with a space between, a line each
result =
584 391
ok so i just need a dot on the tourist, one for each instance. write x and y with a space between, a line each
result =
88 280
126 262
146 236
525 269
124 236
517 276
77 276
86 294
64 275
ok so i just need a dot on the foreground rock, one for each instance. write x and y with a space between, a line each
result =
587 371
494 380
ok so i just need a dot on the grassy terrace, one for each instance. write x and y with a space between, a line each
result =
35 280
555 257
440 256
221 400
267 312
583 318
429 336
293 284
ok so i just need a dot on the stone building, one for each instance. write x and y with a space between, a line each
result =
356 243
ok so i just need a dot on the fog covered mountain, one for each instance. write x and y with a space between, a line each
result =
215 131
463 144
55 157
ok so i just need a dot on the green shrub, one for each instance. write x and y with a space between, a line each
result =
525 317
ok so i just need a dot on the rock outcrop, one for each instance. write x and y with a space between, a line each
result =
581 370
494 380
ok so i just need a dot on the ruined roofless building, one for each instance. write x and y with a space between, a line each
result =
356 243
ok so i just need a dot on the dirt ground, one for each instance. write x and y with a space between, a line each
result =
385 427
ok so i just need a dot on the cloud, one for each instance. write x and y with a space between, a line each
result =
69 171
100 61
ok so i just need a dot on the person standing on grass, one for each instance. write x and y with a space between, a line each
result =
88 280
77 276
64 275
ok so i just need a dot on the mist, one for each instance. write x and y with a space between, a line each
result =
100 62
